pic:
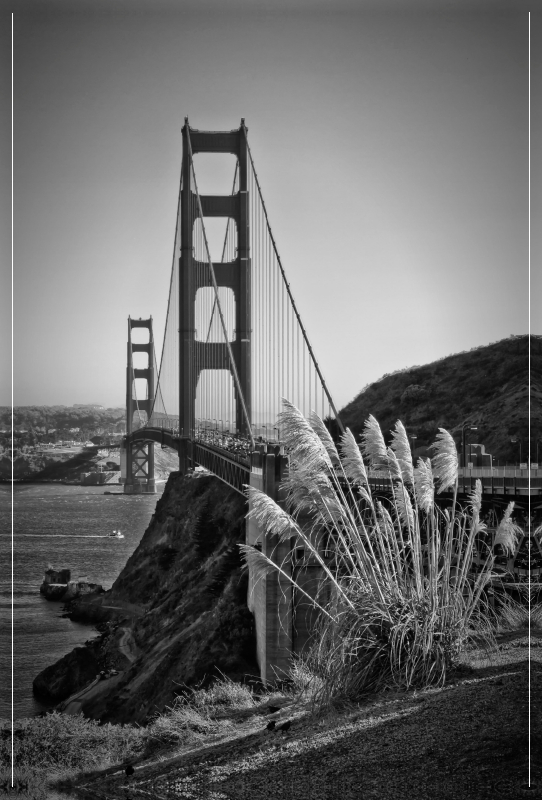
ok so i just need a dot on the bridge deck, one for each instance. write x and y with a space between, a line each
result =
229 459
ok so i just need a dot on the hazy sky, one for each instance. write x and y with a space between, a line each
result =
391 144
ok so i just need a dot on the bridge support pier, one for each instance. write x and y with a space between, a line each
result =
139 477
185 455
270 597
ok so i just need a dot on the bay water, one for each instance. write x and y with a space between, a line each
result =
63 526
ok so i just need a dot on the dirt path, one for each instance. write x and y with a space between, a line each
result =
73 703
99 686
126 644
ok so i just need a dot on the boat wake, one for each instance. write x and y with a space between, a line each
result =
69 536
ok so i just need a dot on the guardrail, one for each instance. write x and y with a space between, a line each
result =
512 482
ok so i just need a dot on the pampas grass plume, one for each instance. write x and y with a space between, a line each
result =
507 532
352 462
424 486
373 444
401 447
445 465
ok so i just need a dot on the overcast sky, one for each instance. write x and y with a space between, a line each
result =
391 145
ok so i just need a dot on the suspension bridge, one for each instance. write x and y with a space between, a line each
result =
234 342
234 345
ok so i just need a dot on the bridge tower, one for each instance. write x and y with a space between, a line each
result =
137 461
196 356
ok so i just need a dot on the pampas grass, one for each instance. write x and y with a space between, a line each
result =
508 532
404 598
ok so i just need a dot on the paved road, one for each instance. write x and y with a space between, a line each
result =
73 705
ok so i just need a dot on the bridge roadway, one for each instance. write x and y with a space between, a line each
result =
229 458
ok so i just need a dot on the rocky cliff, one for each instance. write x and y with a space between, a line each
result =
176 615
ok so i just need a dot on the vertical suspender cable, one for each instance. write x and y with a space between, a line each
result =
304 333
171 283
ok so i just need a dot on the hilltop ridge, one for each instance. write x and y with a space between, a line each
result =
487 387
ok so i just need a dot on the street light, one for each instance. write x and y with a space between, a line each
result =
413 437
465 427
516 440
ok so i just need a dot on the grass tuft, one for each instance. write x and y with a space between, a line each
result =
198 712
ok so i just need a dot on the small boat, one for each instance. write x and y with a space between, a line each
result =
116 535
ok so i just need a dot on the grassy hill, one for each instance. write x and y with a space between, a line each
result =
486 386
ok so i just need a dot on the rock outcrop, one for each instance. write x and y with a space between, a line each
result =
71 673
58 586
177 612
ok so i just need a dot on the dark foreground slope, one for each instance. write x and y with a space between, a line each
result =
177 612
468 740
487 386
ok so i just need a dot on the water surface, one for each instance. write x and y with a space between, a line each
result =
64 526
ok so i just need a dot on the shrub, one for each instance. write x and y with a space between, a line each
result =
403 597
193 714
414 393
62 742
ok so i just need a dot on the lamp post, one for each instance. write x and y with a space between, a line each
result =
464 428
413 437
517 440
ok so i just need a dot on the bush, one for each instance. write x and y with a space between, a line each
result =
414 393
62 742
194 713
404 599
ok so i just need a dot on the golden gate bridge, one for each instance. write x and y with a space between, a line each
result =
234 342
234 346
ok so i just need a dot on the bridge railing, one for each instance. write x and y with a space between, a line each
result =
483 472
500 472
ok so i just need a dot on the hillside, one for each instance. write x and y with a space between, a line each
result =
177 611
52 423
66 466
486 386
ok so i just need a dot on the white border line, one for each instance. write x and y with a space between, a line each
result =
529 404
12 442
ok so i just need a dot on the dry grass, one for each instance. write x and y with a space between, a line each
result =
198 712
57 746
